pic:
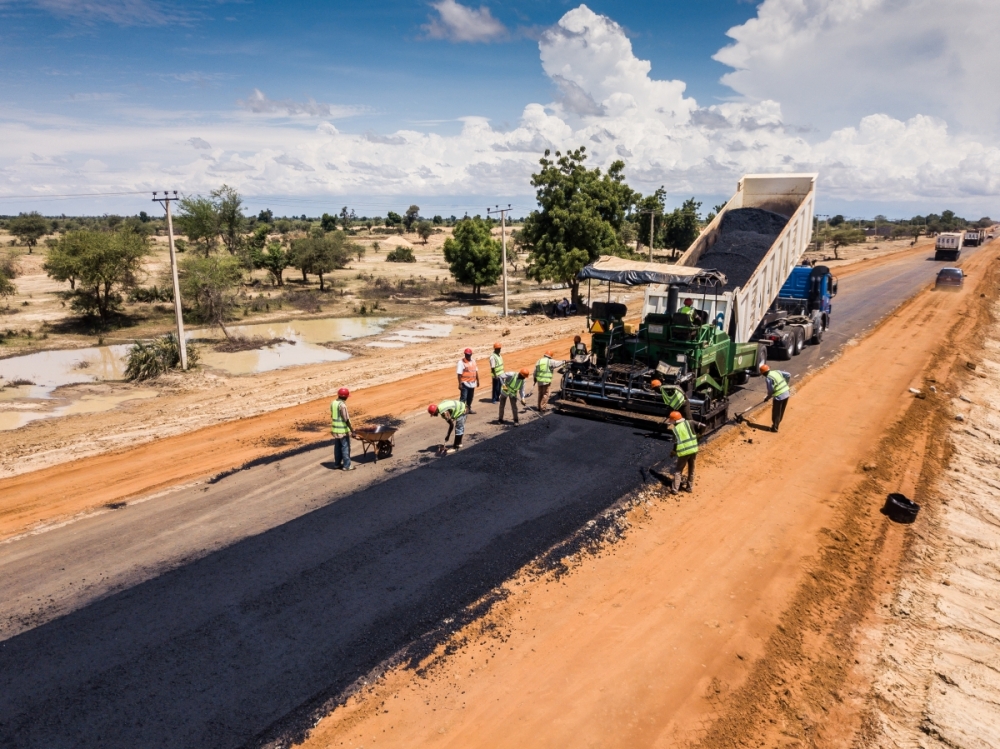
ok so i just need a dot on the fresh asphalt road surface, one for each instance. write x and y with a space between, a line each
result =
223 615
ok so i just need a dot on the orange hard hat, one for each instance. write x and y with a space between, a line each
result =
432 409
548 353
764 369
524 372
343 392
675 416
576 339
496 346
656 383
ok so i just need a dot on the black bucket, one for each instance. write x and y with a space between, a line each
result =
900 509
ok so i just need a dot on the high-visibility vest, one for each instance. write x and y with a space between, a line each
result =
578 349
496 365
673 397
779 385
543 371
513 386
339 417
685 310
469 371
455 408
687 440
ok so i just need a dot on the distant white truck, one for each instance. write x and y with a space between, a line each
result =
973 238
948 245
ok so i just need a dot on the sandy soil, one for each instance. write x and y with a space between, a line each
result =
732 617
937 681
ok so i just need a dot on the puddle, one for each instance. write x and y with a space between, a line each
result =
421 333
477 311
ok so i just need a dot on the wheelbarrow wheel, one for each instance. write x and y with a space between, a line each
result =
384 449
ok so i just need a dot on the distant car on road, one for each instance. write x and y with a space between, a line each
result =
949 278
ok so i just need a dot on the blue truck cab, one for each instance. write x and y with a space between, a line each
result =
815 286
800 314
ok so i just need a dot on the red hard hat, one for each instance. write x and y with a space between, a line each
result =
688 302
432 409
764 369
343 392
468 351
675 416
495 346
656 383
524 372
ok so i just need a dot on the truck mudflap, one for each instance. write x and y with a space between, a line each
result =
714 418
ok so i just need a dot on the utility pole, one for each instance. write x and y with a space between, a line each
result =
503 244
181 341
652 217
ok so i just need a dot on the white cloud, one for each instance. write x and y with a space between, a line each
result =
831 62
608 101
258 103
459 23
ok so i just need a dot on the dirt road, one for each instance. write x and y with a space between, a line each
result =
222 612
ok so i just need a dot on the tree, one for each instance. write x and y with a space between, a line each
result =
28 228
843 237
682 226
273 259
473 256
229 209
654 203
393 219
347 218
411 216
328 222
356 248
437 220
7 288
837 220
320 255
266 216
103 263
210 285
581 216
199 222
401 255
424 230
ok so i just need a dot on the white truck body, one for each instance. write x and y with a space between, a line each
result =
949 241
742 309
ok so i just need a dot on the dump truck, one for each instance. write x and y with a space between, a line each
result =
801 313
948 245
703 319
973 238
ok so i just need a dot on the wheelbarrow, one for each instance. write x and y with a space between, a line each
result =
381 439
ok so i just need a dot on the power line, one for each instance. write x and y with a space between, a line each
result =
73 195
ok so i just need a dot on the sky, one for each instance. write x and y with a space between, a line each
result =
308 106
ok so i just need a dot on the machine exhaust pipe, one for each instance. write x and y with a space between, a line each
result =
673 296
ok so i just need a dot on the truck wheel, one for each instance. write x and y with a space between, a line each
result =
817 336
800 342
787 347
761 358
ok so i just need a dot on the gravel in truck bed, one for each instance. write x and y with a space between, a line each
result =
745 236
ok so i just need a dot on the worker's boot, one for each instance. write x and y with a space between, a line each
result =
458 441
675 483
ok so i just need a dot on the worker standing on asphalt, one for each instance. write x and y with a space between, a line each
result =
496 370
454 413
468 379
686 450
342 431
579 348
778 389
544 371
512 389
673 398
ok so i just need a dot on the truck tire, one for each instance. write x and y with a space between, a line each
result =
800 341
761 358
784 352
817 336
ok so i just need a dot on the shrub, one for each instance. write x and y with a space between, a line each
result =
401 255
146 361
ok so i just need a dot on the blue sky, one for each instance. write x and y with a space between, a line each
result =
449 104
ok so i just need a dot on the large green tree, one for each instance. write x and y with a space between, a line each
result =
210 285
472 254
320 255
411 217
28 228
103 265
682 226
581 217
199 222
229 208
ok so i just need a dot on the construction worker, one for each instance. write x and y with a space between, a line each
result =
496 371
688 308
673 398
779 390
686 450
579 348
342 431
468 379
513 389
544 371
454 413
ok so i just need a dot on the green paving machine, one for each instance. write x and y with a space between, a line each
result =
691 351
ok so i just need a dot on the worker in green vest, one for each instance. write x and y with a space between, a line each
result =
544 371
342 431
513 389
688 308
778 390
579 348
673 398
454 413
686 450
496 371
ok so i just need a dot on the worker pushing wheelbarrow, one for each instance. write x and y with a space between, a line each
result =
380 438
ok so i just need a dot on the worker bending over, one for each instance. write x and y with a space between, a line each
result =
454 413
673 398
544 371
496 371
342 431
686 450
468 379
778 389
513 388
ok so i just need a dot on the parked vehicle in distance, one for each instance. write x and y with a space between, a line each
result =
948 246
949 278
